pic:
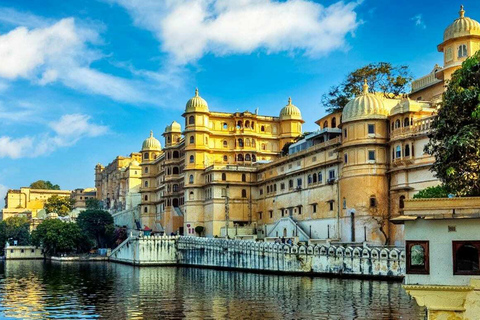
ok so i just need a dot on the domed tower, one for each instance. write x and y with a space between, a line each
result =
151 148
363 182
197 134
290 123
172 134
461 39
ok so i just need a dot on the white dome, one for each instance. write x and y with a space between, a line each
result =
463 26
364 106
290 112
151 143
196 104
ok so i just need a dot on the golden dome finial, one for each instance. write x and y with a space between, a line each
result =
196 92
365 86
289 101
461 12
151 133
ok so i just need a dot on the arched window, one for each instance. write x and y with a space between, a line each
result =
146 198
169 139
175 170
176 154
190 179
225 144
334 122
190 196
253 142
398 152
247 142
225 158
466 257
145 156
393 126
373 202
247 157
254 158
224 192
192 140
397 124
239 124
191 120
325 124
344 203
262 128
401 202
146 169
320 177
244 177
247 124
309 179
244 193
314 178
168 155
146 184
224 177
253 125
225 126
240 143
413 151
407 151
240 157
264 146
462 51
169 171
192 159
406 122
145 209
175 187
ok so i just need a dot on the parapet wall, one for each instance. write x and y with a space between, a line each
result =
263 257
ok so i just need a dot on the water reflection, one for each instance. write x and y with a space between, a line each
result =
35 290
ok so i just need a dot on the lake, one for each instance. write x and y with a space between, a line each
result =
47 290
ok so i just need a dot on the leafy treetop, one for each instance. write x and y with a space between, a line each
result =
42 184
61 205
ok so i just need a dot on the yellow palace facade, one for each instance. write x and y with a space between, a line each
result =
226 172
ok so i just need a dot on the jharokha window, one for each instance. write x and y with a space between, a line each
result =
466 257
417 257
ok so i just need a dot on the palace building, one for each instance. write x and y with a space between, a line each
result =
243 174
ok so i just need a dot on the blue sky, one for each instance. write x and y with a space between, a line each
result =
84 81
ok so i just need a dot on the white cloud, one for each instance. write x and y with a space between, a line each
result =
189 29
67 131
418 19
63 51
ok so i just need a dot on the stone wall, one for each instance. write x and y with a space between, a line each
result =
263 257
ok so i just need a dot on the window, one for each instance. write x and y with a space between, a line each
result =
373 202
146 198
320 177
176 170
190 196
244 177
224 192
244 193
146 171
146 184
247 157
169 139
299 209
271 213
397 124
225 159
314 207
145 156
462 51
407 151
192 159
262 128
175 187
401 202
398 152
190 179
224 177
260 216
290 184
334 122
192 140
240 143
176 154
371 155
225 126
406 122
325 124
299 182
282 186
254 158
466 257
331 174
225 144
417 257
345 158
331 205
240 157
371 129
275 187
261 191
191 120
345 133
309 179
145 209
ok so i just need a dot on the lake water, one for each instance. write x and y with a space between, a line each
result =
42 290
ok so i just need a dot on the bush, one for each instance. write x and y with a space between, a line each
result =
440 191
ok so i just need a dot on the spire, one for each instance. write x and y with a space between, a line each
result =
196 92
365 86
461 12
151 133
289 101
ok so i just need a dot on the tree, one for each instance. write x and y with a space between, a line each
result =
60 205
42 184
381 77
98 224
15 228
56 236
93 204
440 191
455 131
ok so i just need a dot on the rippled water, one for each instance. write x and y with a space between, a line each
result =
38 290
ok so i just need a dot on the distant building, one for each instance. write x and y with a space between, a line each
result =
82 195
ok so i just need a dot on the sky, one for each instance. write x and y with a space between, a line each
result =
84 81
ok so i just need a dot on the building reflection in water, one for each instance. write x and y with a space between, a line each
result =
34 290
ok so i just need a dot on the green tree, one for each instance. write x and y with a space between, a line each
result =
455 131
98 224
93 204
56 236
440 191
15 228
381 77
61 205
42 184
